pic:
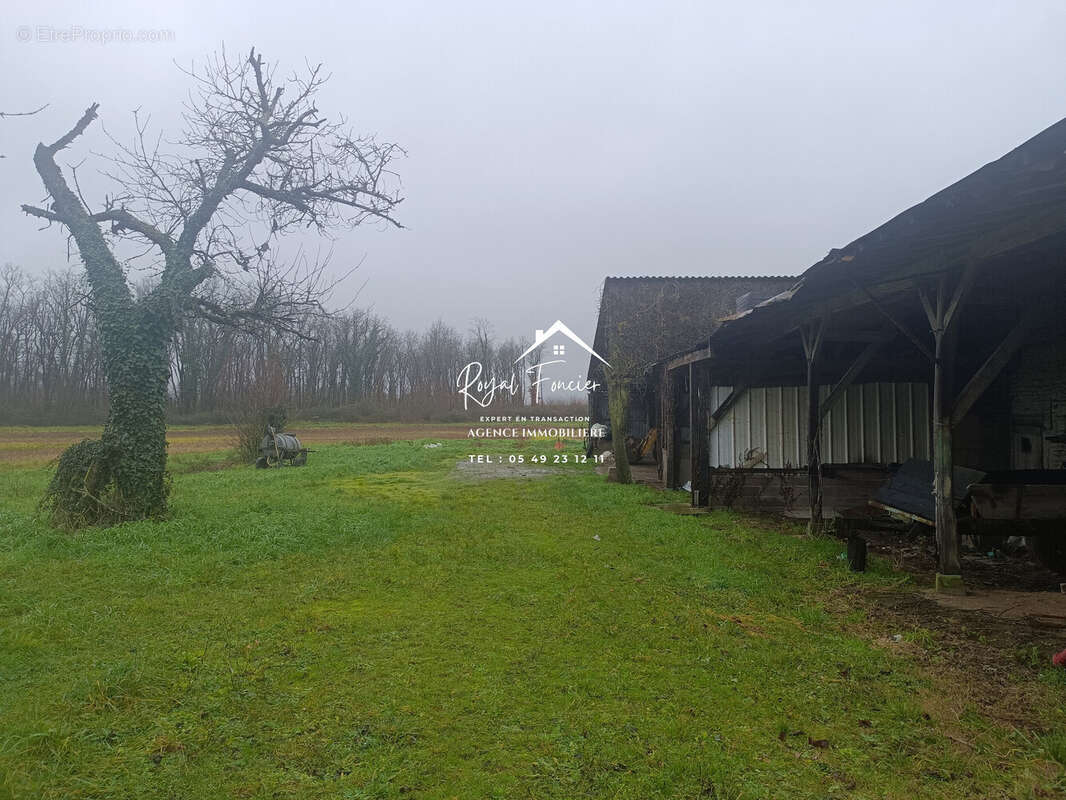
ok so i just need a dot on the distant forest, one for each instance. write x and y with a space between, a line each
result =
351 365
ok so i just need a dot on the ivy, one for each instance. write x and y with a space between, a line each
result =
123 475
81 491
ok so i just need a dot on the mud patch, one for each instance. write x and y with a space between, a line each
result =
916 554
471 471
982 658
1040 610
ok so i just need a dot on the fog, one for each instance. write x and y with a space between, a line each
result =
553 144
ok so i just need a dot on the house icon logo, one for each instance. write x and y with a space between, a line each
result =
559 349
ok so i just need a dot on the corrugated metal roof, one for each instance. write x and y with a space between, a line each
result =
1006 205
700 277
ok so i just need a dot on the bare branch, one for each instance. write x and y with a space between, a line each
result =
33 211
4 114
78 129
124 220
256 159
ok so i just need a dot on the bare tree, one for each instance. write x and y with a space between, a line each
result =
256 160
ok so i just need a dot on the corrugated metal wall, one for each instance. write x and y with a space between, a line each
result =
873 423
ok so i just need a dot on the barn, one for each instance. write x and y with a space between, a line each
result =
642 320
935 342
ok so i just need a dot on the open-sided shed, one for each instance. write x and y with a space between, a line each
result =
939 334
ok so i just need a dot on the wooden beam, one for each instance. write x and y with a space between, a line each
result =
689 358
669 431
994 364
949 566
855 337
723 409
932 314
911 336
811 335
699 390
849 377
969 275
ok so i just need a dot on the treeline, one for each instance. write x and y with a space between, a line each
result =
350 365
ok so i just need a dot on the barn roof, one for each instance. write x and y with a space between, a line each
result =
649 317
1007 207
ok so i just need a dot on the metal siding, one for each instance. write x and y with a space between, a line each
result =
903 421
856 433
921 421
789 431
871 418
870 424
741 427
775 448
826 432
714 451
886 398
712 434
727 427
838 451
725 431
757 419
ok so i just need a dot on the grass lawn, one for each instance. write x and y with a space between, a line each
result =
375 625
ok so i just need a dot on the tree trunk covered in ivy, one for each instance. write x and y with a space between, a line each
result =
618 404
123 476
137 365
254 155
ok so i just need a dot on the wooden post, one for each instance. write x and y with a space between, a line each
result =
699 389
947 534
668 431
942 313
812 343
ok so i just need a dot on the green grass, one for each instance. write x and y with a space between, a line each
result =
370 626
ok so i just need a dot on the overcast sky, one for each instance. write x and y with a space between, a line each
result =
552 144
